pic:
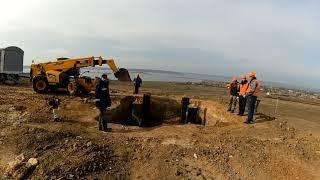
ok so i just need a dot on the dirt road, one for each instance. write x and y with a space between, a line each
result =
224 149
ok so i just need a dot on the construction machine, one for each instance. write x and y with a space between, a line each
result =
65 73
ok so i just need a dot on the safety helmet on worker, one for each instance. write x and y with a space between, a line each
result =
234 78
252 74
244 77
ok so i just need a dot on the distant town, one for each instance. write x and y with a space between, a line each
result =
272 92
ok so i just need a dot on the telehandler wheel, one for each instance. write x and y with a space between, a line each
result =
73 87
40 84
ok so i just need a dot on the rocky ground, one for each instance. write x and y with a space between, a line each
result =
73 149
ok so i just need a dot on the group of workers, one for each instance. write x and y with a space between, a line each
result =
246 92
103 100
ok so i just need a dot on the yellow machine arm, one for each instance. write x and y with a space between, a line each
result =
112 65
76 63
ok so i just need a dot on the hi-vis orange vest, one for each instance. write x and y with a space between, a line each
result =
258 86
243 88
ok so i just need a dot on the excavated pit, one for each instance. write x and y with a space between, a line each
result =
132 110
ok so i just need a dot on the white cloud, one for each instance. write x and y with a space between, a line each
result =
272 37
57 52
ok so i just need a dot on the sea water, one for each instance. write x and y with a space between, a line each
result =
149 75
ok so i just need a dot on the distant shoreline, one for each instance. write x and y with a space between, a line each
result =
177 76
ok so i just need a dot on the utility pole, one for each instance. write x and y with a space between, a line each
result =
277 105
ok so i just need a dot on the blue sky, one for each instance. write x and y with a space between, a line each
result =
279 39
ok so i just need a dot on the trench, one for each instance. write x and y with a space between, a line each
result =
148 112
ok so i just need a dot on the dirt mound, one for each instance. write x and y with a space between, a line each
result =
228 153
65 154
35 139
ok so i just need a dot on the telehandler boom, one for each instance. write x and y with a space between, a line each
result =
65 73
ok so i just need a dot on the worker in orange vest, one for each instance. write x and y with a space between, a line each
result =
234 93
243 88
252 94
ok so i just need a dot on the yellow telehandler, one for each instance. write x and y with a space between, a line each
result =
65 73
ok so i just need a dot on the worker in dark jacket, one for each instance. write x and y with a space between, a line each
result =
243 88
137 83
234 93
103 101
252 94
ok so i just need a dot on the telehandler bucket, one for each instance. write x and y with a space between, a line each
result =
122 75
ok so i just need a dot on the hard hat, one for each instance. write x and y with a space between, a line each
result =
243 76
234 78
252 74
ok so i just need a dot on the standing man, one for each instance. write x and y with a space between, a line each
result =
137 83
252 93
234 92
243 87
103 101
